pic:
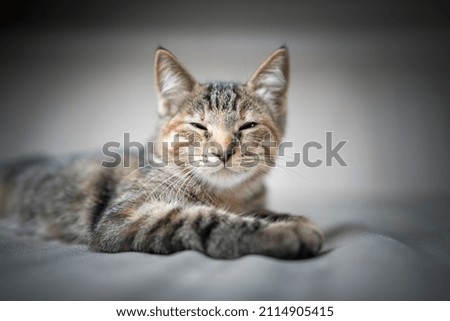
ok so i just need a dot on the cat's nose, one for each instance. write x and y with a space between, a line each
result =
226 155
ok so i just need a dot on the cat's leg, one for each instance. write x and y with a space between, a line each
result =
163 228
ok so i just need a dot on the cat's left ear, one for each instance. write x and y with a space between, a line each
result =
270 82
173 82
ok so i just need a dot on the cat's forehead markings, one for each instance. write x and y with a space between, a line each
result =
222 96
197 110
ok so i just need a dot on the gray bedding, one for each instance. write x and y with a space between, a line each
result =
75 75
375 250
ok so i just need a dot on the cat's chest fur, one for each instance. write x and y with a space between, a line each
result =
240 200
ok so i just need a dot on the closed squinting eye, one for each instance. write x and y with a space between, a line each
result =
198 126
248 126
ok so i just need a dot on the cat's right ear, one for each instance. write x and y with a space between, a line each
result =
173 82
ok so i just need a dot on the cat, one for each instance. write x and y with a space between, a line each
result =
188 204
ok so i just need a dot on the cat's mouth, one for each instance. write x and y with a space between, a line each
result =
222 169
225 177
225 171
218 173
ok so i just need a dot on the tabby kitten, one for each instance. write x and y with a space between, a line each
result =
207 198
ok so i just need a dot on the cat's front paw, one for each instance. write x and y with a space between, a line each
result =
296 239
310 238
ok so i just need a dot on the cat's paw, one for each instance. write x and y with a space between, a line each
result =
310 238
296 239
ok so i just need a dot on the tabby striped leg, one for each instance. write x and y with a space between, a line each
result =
163 229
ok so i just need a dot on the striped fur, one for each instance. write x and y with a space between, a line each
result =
188 204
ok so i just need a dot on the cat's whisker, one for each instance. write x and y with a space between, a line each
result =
148 181
178 180
169 184
136 170
283 176
198 176
163 182
275 164
187 178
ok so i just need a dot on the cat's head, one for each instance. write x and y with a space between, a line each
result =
224 133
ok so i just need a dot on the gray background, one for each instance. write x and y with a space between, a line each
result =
75 75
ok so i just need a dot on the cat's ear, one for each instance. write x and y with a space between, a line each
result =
270 82
173 82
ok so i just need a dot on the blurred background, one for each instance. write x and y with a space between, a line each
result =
77 74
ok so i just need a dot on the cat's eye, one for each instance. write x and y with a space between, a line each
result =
198 126
248 126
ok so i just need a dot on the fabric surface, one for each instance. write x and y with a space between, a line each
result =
395 250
